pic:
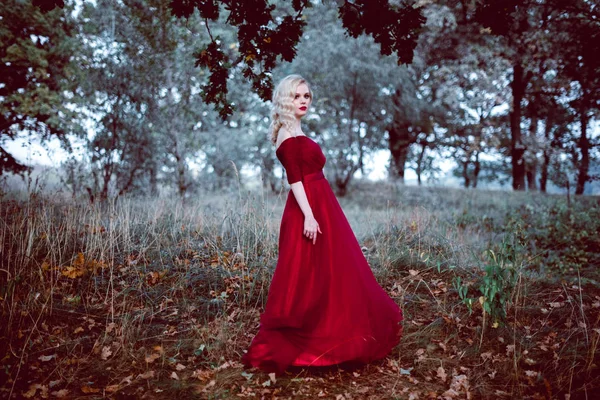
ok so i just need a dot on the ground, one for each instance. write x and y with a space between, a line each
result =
160 298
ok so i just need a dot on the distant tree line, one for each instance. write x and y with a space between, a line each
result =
175 94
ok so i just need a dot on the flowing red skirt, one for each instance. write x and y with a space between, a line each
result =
324 305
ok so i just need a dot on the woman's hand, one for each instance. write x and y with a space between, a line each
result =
311 227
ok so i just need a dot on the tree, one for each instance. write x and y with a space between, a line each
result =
347 76
579 62
265 38
37 88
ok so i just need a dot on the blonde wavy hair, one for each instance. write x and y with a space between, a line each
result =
282 113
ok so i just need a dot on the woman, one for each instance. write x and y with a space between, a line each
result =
324 305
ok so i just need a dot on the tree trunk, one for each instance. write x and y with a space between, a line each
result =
517 147
154 180
419 169
532 165
399 144
584 147
465 173
546 162
476 170
342 182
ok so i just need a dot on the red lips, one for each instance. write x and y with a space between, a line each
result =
303 108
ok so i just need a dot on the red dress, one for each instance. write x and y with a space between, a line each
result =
324 305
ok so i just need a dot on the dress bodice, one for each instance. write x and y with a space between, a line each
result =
300 156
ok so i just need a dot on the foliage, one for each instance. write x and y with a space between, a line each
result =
565 238
38 76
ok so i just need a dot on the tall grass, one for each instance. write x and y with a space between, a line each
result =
185 280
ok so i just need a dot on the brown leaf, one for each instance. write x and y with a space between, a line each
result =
209 385
152 357
46 358
159 349
110 327
441 373
180 367
33 388
112 388
106 352
86 389
61 393
510 349
146 375
202 375
78 330
174 376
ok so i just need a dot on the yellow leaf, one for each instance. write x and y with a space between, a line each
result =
87 389
159 349
112 388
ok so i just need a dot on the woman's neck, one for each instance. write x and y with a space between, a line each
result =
298 128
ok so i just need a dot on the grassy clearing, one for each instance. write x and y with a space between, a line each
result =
157 298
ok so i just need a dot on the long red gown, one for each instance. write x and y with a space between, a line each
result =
324 305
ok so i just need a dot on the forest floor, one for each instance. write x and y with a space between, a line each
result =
160 298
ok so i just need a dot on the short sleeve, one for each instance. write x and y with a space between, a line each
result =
289 156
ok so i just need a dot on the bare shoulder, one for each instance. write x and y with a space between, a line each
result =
283 135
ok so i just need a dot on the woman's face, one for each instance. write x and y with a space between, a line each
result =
302 100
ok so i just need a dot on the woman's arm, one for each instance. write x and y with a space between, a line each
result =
311 226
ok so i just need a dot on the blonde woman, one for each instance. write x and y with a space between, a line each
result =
324 305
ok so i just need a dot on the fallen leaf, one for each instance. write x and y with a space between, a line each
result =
209 385
159 349
51 384
46 358
272 377
61 393
33 388
152 357
180 367
441 373
450 394
106 353
174 376
110 327
510 349
86 389
146 375
205 375
78 330
111 388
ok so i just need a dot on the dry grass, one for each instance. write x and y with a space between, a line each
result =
157 298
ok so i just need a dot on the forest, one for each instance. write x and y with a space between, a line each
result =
138 266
